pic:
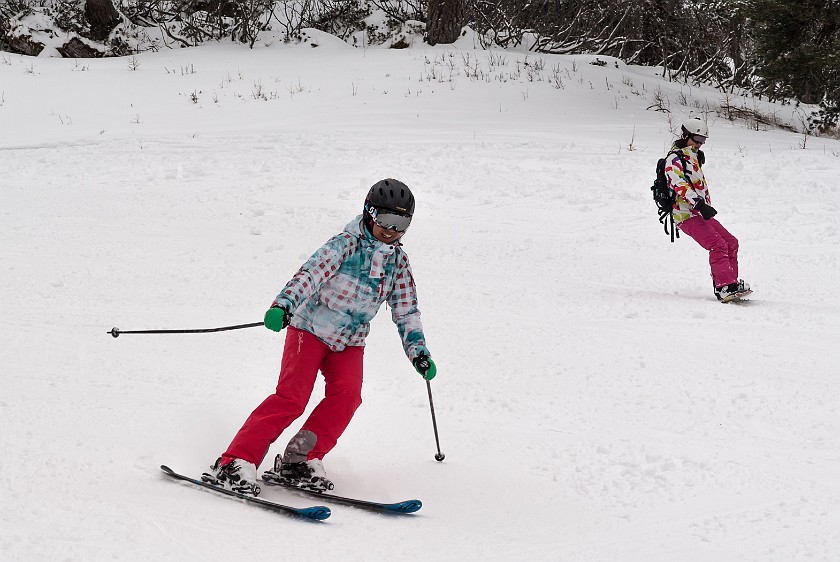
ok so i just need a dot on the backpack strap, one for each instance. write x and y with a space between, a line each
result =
687 175
681 156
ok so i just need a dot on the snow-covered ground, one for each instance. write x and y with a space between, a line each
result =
595 403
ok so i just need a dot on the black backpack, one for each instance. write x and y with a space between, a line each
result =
664 196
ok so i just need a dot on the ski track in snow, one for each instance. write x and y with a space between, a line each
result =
594 402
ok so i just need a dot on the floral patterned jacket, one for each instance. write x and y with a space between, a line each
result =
338 291
690 188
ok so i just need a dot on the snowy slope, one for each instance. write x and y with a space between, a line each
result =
595 403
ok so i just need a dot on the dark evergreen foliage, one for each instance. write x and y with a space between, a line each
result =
798 52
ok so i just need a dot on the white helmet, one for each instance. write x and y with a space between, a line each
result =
695 126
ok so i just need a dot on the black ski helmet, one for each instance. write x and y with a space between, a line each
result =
391 195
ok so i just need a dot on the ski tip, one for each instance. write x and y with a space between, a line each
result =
408 506
166 469
318 512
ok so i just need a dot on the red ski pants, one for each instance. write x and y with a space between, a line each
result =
722 247
303 356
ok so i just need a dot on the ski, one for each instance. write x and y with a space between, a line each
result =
407 506
317 513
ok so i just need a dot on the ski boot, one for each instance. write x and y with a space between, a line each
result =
237 475
307 475
733 291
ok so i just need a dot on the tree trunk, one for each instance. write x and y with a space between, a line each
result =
445 20
102 17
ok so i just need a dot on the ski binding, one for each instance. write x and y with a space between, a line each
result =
315 513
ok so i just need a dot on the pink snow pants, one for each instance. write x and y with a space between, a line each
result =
303 356
722 247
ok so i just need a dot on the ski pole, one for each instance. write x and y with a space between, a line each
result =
116 331
439 456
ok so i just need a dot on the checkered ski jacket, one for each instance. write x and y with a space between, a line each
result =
338 291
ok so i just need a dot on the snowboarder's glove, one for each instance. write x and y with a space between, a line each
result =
706 210
425 366
277 318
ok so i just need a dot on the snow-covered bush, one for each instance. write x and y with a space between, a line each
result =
360 23
69 29
31 26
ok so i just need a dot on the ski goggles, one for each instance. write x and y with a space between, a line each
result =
699 139
389 220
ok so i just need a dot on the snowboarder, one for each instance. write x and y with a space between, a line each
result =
328 305
694 214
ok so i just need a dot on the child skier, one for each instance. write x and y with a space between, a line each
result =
694 214
328 305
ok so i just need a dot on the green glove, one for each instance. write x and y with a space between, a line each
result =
276 318
425 366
